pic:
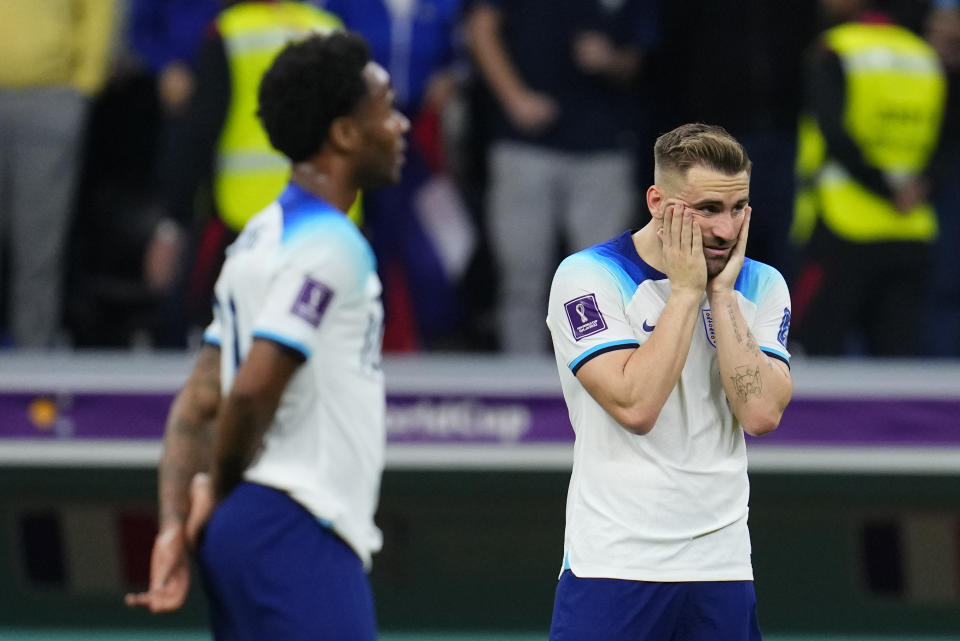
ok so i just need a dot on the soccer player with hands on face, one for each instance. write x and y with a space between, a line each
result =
670 345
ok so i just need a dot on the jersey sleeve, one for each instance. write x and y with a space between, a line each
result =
772 323
311 282
212 334
586 312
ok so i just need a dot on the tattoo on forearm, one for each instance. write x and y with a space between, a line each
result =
751 342
748 382
188 436
736 326
188 450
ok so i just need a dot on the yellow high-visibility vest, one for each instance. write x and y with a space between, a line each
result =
895 98
249 172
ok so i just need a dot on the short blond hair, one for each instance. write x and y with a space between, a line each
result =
699 144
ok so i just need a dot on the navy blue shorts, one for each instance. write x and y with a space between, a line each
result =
617 610
272 571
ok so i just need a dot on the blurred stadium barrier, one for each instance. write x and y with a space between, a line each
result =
855 512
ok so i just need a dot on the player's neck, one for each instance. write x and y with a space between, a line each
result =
648 244
323 184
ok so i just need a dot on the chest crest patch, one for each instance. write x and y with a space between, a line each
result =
707 319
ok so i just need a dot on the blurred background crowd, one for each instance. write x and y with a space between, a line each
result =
130 157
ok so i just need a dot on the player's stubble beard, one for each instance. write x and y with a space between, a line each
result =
715 265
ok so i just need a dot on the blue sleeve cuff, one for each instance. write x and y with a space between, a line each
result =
578 362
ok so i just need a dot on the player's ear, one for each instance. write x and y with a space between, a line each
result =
344 133
655 201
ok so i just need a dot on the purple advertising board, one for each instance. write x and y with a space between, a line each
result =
493 410
487 419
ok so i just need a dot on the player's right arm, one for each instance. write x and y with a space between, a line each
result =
249 409
633 385
187 451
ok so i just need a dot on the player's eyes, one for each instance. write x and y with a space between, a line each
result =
711 210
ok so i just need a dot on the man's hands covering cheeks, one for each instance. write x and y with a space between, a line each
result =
683 258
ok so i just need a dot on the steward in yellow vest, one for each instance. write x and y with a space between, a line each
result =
875 103
249 173
895 93
220 160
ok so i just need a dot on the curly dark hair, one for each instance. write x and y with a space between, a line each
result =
310 84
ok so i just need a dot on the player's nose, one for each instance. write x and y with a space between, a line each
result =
725 227
403 122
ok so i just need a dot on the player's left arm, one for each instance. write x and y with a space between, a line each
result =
758 386
248 411
186 456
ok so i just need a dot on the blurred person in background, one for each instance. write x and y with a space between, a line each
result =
420 230
54 57
285 406
753 87
220 168
167 35
875 95
128 253
565 77
940 334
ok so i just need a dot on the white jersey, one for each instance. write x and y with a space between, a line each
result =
302 275
670 505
